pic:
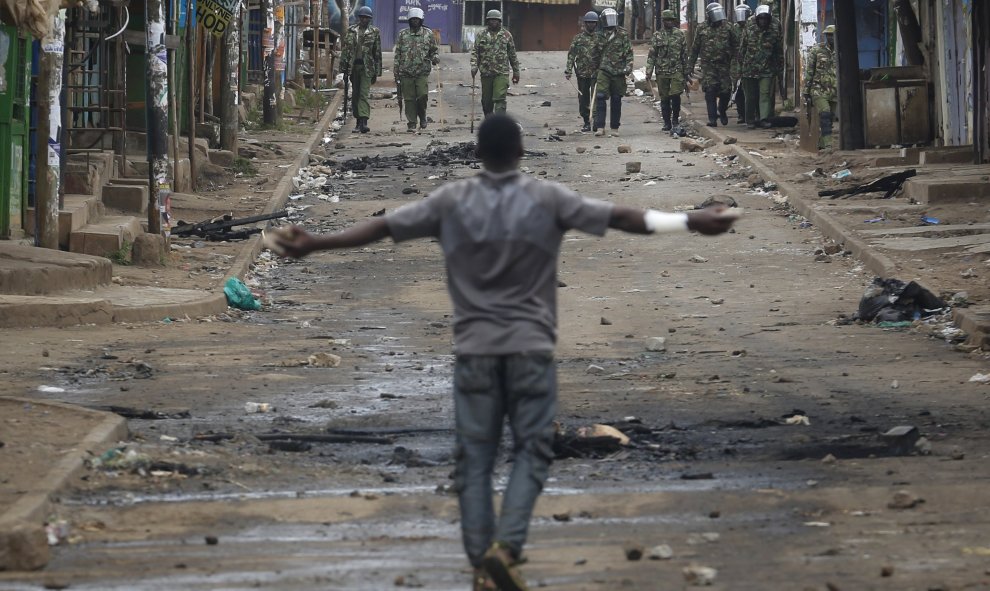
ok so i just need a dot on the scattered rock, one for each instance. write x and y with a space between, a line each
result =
699 576
545 104
633 551
829 459
923 447
148 250
560 132
661 552
597 430
690 145
698 259
580 149
656 344
904 499
956 454
605 321
633 167
595 369
715 200
901 440
563 517
624 149
832 248
887 571
323 360
729 140
212 540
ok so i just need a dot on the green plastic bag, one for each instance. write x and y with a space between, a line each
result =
239 296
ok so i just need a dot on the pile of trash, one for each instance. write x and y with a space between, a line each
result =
892 300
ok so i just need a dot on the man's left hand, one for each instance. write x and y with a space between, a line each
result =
515 78
712 220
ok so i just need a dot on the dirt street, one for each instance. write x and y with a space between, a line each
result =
722 468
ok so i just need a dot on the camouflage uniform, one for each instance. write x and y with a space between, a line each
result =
616 64
668 58
415 55
361 57
716 45
819 86
492 56
582 59
761 57
740 96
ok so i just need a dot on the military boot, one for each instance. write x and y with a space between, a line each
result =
357 125
665 113
364 125
587 125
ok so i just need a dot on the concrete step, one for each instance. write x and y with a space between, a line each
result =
939 190
126 195
77 211
106 236
947 155
30 270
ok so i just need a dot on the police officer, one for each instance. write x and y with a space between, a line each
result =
819 84
415 55
761 56
582 59
615 65
716 42
361 60
668 57
742 12
493 54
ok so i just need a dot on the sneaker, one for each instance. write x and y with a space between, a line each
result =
600 133
422 124
724 119
482 581
411 127
586 127
765 124
614 133
711 123
498 562
666 126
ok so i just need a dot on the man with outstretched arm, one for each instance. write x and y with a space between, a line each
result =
500 232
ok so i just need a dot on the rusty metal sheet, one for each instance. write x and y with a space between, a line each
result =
880 112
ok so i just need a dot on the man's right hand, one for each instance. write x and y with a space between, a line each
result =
294 242
712 220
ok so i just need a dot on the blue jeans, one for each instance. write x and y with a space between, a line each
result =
487 389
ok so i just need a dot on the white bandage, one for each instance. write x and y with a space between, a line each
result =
661 221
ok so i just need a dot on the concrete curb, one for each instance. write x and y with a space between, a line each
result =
23 522
252 247
974 321
876 262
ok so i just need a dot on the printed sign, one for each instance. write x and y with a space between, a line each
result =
215 15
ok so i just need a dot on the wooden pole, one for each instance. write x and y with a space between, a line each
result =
156 101
850 95
48 156
314 22
229 74
191 95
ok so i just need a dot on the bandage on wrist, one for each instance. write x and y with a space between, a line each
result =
661 221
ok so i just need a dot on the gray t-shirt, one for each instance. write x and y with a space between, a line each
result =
501 234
